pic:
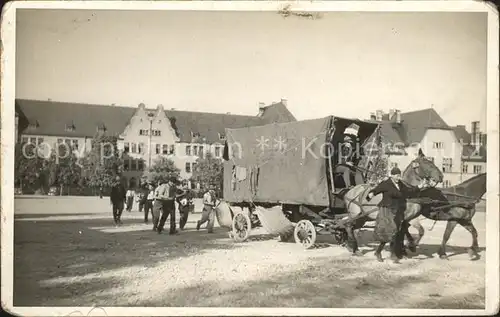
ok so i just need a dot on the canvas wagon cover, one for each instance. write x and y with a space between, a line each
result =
278 163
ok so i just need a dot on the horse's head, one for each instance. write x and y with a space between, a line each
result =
420 169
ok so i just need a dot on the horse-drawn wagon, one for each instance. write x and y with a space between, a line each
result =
285 178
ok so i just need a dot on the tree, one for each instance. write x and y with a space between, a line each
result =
65 168
103 162
31 170
162 169
208 171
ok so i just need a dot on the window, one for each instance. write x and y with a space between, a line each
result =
195 150
158 148
195 134
446 183
394 164
141 148
465 168
140 165
217 151
70 127
156 132
132 164
75 145
222 136
165 149
39 141
188 167
126 165
133 148
447 164
193 167
478 169
101 128
143 132
25 140
430 158
437 145
68 142
172 149
188 149
200 151
59 141
126 147
33 125
32 140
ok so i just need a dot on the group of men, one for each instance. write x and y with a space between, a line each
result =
160 202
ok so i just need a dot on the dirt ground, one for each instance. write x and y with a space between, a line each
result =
67 252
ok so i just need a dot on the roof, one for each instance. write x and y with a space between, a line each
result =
278 168
470 154
413 126
283 162
52 118
462 134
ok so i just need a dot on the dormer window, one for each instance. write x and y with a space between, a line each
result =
101 127
70 127
33 125
222 136
195 134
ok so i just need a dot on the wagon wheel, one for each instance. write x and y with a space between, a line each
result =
241 227
305 233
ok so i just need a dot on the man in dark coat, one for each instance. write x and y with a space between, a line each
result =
350 153
391 211
117 198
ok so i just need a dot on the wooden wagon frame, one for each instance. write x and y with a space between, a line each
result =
291 191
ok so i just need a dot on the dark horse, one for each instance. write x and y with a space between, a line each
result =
455 205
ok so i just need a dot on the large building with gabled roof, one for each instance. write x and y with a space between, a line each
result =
145 133
405 133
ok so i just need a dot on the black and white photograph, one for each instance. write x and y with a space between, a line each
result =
249 158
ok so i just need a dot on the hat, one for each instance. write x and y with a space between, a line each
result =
352 129
395 171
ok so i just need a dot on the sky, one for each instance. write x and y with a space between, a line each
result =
346 64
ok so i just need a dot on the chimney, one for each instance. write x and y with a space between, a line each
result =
379 114
284 102
398 115
391 114
475 134
373 116
142 106
483 139
228 112
172 108
261 109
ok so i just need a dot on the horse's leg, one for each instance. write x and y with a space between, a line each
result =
352 243
447 233
415 223
411 242
473 251
378 252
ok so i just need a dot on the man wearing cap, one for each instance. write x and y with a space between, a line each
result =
391 211
349 155
117 199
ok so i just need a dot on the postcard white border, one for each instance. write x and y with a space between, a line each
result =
7 148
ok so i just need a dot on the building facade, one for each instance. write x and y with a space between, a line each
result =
404 134
144 134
